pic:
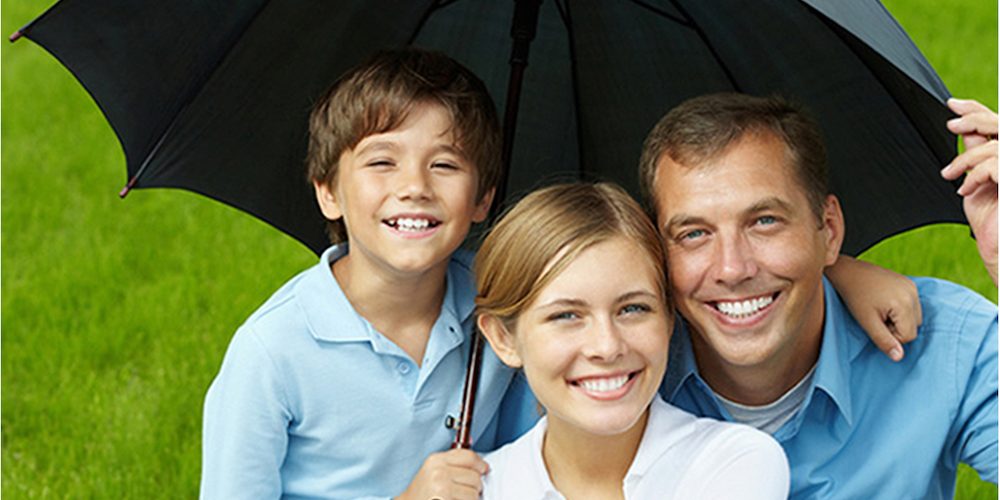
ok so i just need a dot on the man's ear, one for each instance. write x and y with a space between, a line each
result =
326 200
500 339
483 206
833 228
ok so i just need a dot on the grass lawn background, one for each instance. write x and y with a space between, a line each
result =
116 315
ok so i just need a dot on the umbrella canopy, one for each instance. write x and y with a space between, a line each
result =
214 98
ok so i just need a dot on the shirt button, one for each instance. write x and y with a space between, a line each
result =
403 367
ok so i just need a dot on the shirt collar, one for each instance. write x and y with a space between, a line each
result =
332 318
681 365
840 345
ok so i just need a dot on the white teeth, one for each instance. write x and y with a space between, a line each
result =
408 224
604 384
744 308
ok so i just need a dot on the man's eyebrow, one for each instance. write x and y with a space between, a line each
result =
769 203
682 219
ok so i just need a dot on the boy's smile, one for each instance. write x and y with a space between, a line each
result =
406 196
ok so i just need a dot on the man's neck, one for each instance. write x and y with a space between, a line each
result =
762 383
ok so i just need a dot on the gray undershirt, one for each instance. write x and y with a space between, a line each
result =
770 417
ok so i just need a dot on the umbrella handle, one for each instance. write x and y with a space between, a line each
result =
463 428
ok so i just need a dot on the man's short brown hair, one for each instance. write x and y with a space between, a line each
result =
377 96
702 128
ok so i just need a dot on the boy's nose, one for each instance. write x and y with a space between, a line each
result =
413 183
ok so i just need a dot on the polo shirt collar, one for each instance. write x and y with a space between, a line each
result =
331 317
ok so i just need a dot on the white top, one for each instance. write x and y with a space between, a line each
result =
680 456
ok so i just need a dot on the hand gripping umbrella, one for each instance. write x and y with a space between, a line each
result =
214 98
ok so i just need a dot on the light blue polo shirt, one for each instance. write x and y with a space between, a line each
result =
312 402
872 428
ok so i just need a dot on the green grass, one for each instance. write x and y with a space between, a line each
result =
116 314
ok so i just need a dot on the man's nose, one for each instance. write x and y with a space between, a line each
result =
735 260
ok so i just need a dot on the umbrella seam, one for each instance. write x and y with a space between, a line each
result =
568 23
435 5
663 13
711 48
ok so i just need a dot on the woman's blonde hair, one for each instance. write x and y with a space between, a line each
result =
544 232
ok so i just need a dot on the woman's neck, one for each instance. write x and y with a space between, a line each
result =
584 465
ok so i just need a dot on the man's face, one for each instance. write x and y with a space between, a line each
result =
746 254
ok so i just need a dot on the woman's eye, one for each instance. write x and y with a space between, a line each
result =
562 316
635 309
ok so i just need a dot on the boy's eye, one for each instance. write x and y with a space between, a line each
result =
445 165
380 162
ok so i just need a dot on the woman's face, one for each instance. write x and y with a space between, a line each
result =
594 343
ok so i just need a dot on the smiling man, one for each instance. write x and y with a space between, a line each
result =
739 189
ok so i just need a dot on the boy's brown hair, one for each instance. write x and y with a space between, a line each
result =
377 97
700 129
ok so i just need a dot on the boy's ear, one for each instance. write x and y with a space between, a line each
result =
483 206
326 200
500 339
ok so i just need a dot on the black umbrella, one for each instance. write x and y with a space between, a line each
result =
213 98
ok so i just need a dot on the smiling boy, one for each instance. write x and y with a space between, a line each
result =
337 387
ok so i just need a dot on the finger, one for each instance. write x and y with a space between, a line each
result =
969 159
903 326
467 459
984 174
882 336
981 122
963 107
463 492
468 478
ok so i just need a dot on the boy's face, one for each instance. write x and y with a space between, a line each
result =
407 196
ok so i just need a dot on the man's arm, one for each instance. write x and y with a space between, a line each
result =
974 436
977 125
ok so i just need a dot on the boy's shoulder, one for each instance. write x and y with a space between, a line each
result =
311 296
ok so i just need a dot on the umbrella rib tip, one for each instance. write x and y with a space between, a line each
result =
15 36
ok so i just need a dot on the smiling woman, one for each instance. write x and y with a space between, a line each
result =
572 289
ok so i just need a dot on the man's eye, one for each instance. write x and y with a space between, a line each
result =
693 234
766 220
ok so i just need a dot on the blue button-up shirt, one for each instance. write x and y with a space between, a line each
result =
312 402
872 428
